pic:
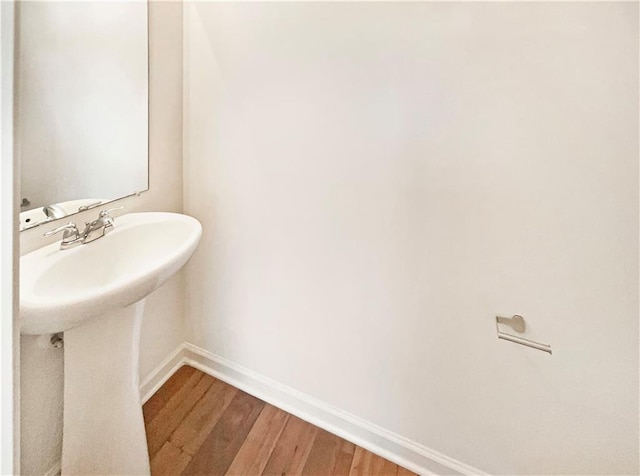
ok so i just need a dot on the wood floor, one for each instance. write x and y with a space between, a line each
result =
197 424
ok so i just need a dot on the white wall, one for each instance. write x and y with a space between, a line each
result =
163 326
378 181
9 358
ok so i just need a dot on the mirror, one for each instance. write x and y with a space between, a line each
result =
82 105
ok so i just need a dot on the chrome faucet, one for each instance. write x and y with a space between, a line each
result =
98 227
70 238
92 231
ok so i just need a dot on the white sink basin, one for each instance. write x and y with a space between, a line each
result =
95 293
62 289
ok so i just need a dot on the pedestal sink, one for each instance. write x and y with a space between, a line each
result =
95 294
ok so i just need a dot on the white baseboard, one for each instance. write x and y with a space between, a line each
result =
385 443
158 376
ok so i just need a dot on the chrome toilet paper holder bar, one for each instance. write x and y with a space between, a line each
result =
518 324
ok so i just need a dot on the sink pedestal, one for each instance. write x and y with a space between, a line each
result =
100 312
103 430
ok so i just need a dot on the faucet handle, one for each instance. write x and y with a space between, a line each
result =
70 229
71 235
105 213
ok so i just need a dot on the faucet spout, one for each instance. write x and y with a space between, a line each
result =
98 227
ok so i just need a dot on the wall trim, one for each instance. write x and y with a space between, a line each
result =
378 440
160 374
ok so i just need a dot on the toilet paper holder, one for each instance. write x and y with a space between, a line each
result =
518 324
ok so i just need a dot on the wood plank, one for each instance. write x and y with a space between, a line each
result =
366 463
221 446
159 399
197 424
194 429
292 448
256 449
387 467
176 409
169 460
405 472
360 462
345 458
323 455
